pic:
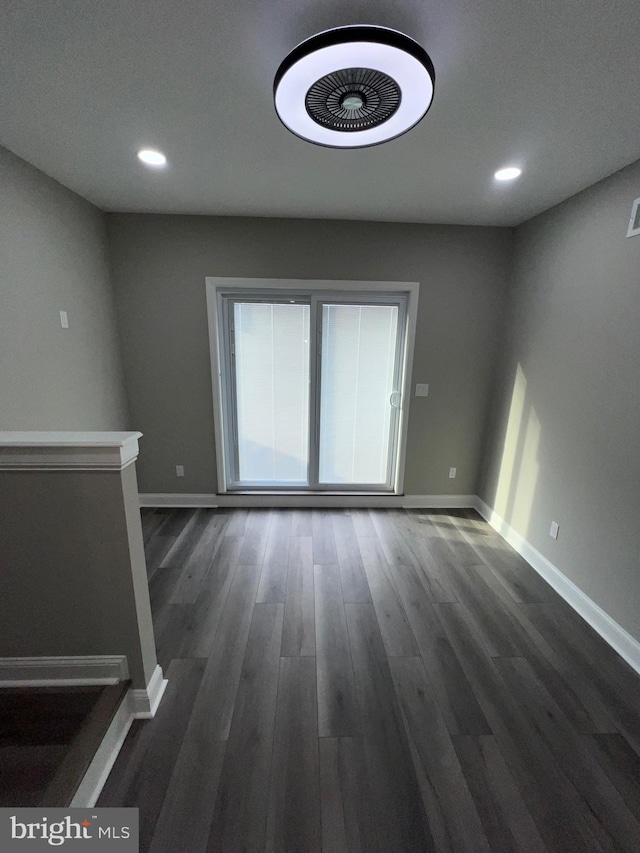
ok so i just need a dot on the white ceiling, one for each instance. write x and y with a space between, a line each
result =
551 85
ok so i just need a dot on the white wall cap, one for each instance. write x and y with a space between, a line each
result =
59 451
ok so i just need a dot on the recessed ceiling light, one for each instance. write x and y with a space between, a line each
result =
151 157
508 174
354 86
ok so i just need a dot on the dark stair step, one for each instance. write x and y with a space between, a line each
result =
83 747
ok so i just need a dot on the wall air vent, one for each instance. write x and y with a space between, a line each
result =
634 222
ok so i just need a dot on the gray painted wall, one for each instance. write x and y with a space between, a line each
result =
54 257
75 582
563 442
159 265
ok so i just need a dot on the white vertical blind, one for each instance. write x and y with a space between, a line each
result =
272 390
358 366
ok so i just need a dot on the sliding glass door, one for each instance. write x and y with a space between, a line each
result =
311 389
357 381
270 354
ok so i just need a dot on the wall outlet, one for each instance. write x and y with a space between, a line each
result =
452 473
179 470
422 390
553 530
64 320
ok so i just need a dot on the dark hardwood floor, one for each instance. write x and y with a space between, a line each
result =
373 681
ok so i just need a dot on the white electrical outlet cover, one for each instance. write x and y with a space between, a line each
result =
179 470
452 473
422 390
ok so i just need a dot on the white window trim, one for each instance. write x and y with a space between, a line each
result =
214 285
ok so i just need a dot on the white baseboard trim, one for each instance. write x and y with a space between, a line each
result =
146 701
63 671
614 634
309 500
98 771
178 500
136 705
439 501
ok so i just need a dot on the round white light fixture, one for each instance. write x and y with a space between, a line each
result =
509 173
354 86
151 157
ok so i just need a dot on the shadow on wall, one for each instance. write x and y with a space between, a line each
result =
519 467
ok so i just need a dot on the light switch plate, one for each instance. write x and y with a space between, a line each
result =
634 221
64 320
179 470
553 530
422 390
452 473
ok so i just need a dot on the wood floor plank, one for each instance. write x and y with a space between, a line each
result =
606 813
273 581
159 544
354 580
503 625
203 617
399 815
456 811
293 821
612 678
165 579
324 546
170 624
187 539
522 581
437 534
240 814
455 696
507 823
237 523
337 704
573 692
347 806
187 630
150 521
622 764
556 807
434 577
394 548
215 701
395 628
510 723
199 562
362 523
184 822
439 528
334 829
277 550
301 525
299 631
256 534
493 623
161 587
141 774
